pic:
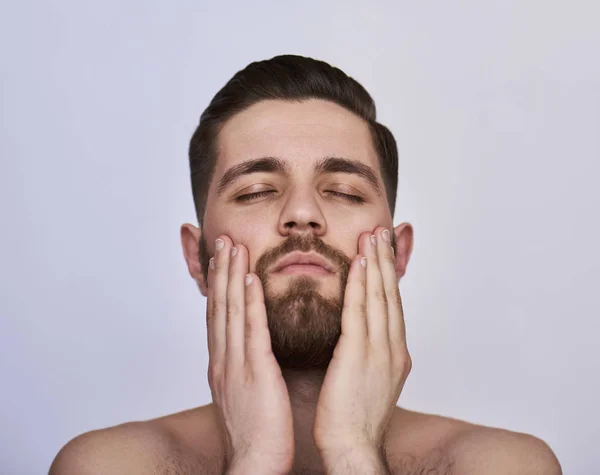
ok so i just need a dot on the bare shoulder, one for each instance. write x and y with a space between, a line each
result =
134 447
430 443
146 447
481 449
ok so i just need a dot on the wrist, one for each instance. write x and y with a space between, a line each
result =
357 459
251 466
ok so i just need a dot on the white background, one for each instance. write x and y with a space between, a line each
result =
496 110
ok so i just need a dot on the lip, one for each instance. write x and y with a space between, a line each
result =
301 261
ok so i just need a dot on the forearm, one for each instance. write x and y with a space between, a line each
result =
355 461
246 467
245 470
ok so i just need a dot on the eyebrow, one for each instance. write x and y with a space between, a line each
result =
276 165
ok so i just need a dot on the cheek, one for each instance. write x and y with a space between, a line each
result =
257 236
343 232
240 229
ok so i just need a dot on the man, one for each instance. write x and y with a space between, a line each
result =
294 183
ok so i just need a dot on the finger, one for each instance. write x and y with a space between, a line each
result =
354 311
217 304
236 307
396 326
377 313
257 336
210 306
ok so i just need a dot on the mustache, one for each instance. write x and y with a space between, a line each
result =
303 244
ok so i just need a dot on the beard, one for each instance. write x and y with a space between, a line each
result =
304 325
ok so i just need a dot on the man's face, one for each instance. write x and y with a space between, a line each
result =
300 208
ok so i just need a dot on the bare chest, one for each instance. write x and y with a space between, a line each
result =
417 454
436 462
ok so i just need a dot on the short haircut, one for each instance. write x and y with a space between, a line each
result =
294 79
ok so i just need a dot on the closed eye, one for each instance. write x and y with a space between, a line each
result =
259 194
252 196
351 198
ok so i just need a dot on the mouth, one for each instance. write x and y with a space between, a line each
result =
302 263
303 269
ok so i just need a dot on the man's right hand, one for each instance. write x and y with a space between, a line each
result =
244 377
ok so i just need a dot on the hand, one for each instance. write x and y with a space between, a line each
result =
371 362
244 377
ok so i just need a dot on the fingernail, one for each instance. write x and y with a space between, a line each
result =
211 263
233 251
219 244
374 240
385 235
248 279
363 261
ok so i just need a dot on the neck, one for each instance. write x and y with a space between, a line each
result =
304 388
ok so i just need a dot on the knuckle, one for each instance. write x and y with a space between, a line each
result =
395 296
380 296
232 311
404 362
359 307
213 376
250 326
218 307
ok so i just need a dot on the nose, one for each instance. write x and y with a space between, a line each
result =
301 214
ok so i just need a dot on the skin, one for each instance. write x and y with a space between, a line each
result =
309 414
302 213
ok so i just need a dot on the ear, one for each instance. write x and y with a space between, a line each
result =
190 239
404 244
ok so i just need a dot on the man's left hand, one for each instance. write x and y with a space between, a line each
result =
370 363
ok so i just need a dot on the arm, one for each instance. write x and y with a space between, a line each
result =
249 467
355 461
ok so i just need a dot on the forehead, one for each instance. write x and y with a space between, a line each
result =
297 132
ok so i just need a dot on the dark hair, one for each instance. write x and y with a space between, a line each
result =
289 78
